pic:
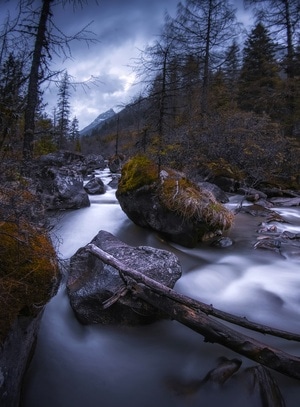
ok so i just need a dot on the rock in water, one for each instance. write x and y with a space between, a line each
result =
169 203
91 282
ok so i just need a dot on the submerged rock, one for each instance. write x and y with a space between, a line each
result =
91 282
286 201
224 371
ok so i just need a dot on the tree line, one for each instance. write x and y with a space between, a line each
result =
212 90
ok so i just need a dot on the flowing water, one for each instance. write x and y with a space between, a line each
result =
145 366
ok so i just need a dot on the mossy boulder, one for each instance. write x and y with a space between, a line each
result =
169 203
28 272
29 277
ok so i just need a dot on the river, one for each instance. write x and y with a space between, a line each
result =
145 366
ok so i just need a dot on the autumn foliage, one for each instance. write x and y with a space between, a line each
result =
29 267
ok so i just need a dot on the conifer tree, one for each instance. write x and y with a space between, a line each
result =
282 17
12 81
231 69
63 111
204 29
259 74
74 132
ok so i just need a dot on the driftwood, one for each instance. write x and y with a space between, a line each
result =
195 315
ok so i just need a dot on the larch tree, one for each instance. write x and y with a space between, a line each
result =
39 25
157 68
41 44
204 30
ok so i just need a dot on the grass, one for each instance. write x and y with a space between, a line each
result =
193 203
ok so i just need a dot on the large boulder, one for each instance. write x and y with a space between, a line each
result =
170 204
29 277
62 188
62 158
94 162
59 181
91 282
15 355
217 192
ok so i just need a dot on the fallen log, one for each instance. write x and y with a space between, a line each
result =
207 309
189 313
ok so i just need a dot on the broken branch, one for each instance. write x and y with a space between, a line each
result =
190 313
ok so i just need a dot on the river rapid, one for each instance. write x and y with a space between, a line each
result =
145 366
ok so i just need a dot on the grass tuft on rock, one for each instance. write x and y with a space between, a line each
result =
194 203
175 192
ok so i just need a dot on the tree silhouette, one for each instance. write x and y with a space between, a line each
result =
259 74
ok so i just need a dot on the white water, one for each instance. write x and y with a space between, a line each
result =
93 366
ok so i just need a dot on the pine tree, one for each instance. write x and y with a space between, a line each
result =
63 111
259 76
12 82
282 17
74 133
231 69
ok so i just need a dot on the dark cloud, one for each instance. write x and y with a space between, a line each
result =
121 28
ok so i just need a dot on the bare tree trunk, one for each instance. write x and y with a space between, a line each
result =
189 313
33 86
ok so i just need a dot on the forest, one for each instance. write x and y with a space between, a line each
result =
213 102
216 98
214 95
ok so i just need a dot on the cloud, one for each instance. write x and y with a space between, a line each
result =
121 29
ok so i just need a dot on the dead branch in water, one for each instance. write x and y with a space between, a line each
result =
195 315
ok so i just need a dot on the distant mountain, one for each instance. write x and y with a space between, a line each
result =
98 122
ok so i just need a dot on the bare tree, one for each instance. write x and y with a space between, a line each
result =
48 41
204 29
156 67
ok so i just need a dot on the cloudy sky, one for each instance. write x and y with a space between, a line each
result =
122 28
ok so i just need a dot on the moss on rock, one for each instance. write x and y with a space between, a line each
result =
29 268
171 204
137 172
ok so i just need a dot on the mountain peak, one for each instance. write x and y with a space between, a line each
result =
98 122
